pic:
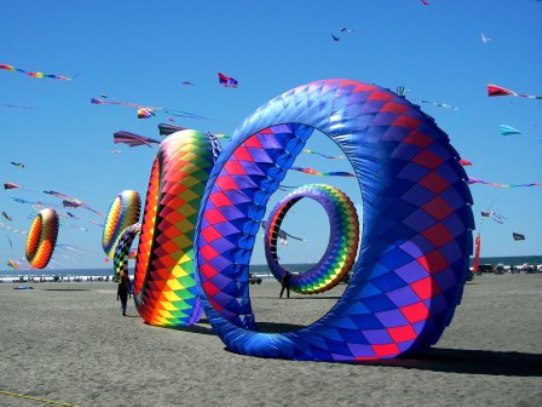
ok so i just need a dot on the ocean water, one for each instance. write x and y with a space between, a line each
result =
260 270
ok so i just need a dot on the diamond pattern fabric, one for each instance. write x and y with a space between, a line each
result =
417 224
165 289
342 247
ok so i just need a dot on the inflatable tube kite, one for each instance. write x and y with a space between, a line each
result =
165 288
41 239
123 212
343 238
122 250
417 224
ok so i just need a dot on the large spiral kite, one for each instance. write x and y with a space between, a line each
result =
123 212
165 289
343 238
417 224
41 239
122 249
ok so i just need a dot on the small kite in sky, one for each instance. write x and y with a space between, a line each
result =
227 81
496 90
5 215
507 130
11 185
144 112
12 229
402 91
312 171
282 235
12 106
518 236
425 2
132 139
35 203
187 83
464 162
437 104
165 129
115 151
329 157
16 164
494 216
71 202
38 75
342 30
473 180
485 38
14 264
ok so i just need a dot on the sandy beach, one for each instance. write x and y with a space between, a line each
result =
68 343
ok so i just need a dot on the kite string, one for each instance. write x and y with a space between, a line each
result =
41 400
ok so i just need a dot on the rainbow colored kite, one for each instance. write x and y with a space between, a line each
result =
312 171
37 75
329 157
473 180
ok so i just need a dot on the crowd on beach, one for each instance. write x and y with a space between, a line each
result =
482 269
509 268
54 279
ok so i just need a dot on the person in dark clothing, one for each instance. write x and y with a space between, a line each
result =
286 278
122 292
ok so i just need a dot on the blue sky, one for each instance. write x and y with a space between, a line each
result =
142 51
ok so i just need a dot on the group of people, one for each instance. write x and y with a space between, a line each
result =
125 289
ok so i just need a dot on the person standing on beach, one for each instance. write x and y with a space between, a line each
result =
122 292
286 278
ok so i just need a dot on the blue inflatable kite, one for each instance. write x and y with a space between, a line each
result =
417 224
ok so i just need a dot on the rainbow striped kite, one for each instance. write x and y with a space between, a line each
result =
37 75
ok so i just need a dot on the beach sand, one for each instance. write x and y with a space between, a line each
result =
67 342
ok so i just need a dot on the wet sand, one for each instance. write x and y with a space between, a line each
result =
67 342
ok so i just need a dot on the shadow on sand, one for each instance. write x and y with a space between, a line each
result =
468 361
198 328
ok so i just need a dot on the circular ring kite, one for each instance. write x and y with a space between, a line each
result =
122 250
343 238
417 224
41 239
165 289
123 212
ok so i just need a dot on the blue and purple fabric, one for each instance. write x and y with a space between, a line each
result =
417 224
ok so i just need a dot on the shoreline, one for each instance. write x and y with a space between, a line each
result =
59 276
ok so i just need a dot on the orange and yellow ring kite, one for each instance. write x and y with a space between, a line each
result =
41 239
